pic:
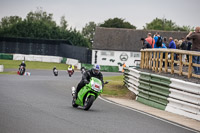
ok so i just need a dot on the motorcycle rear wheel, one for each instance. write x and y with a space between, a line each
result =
88 102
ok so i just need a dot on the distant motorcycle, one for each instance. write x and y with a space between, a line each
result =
21 70
70 71
55 72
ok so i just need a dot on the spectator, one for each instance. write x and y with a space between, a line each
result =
189 45
179 44
176 43
195 37
183 46
156 39
172 44
165 42
163 46
123 66
150 40
145 43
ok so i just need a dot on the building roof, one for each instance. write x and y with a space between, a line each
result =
119 39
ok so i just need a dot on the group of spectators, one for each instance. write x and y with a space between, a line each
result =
151 42
190 42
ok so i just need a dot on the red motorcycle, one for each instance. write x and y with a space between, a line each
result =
21 70
70 72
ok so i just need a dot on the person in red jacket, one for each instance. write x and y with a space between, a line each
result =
150 40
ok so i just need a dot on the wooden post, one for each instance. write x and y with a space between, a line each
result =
150 58
142 60
154 60
172 63
180 65
190 67
161 62
157 61
146 59
166 62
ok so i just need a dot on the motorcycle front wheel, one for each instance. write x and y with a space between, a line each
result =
21 72
88 102
74 103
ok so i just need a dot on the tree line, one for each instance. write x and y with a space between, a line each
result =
40 25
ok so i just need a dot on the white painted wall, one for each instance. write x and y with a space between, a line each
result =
113 58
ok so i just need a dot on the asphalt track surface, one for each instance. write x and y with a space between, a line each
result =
41 103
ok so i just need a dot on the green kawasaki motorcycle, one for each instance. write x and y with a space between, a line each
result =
87 94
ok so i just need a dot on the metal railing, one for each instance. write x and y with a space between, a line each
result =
162 60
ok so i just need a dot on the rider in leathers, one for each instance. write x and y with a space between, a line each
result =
94 72
23 64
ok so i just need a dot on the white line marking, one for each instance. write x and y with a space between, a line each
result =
156 117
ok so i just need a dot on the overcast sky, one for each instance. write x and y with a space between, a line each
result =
80 12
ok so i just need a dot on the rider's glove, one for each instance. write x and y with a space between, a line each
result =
86 82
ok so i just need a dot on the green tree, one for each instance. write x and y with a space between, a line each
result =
184 28
76 38
63 23
40 25
166 25
9 21
160 24
88 31
117 23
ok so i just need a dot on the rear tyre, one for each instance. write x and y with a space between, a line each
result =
88 102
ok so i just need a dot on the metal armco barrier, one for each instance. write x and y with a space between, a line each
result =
164 93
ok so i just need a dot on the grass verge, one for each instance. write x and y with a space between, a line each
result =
116 88
14 64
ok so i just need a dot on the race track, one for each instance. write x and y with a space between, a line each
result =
41 103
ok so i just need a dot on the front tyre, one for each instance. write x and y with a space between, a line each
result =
21 72
88 102
74 103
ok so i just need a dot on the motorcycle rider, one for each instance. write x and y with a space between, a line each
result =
71 67
23 64
55 71
54 68
94 72
83 70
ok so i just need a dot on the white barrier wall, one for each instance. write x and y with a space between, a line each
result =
73 62
40 58
1 68
43 58
181 97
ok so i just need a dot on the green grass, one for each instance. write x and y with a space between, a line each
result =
116 88
14 64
